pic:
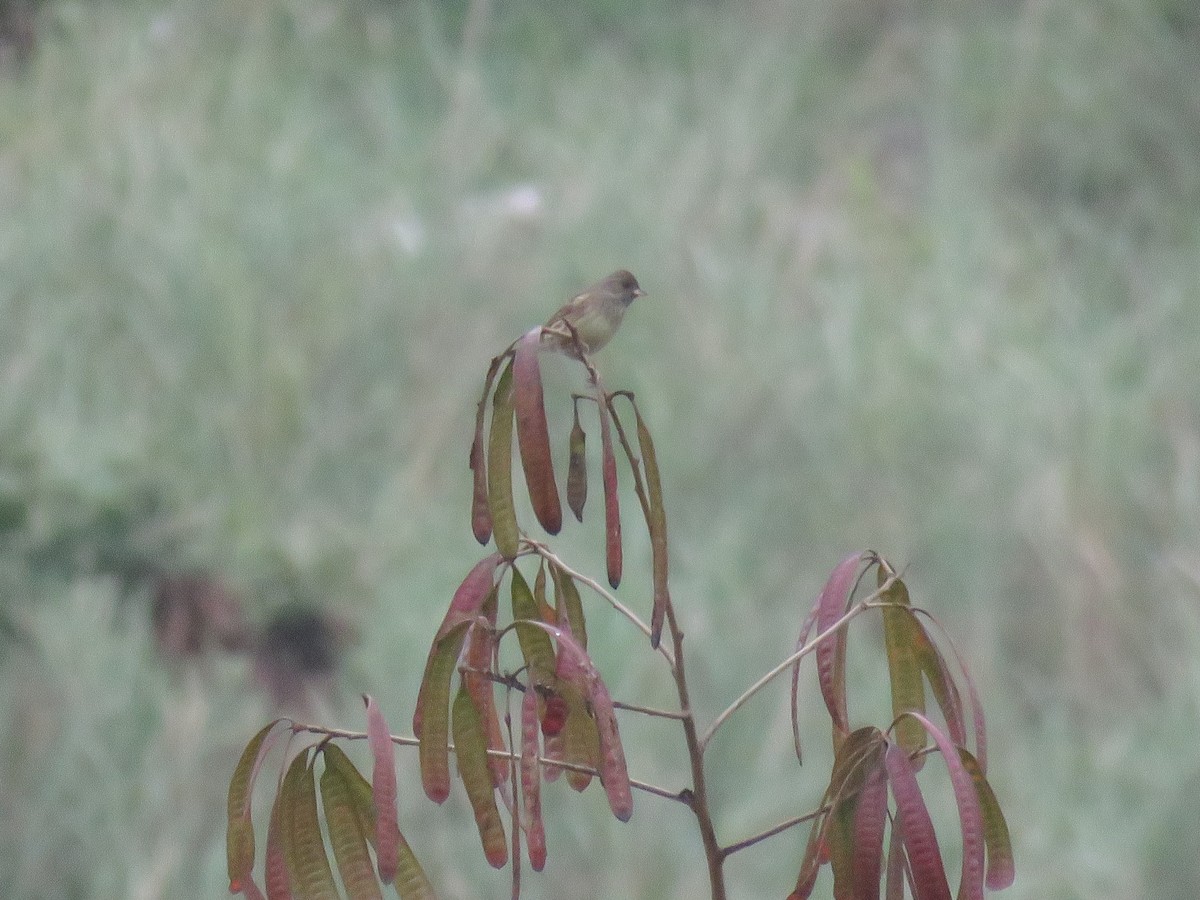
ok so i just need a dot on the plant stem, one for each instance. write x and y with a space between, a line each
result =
698 802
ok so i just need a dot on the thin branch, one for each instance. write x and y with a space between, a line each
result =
825 635
650 711
546 553
772 831
510 680
301 728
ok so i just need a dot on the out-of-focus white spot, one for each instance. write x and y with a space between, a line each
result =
409 233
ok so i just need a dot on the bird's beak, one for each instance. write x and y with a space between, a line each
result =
638 292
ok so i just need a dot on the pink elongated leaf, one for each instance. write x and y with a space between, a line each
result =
581 674
239 833
831 654
468 602
920 840
1000 867
470 746
858 759
900 629
656 523
533 434
805 630
347 839
479 657
855 756
577 478
531 781
471 595
505 530
612 503
383 787
275 865
897 866
308 868
536 647
570 731
614 774
970 818
869 820
431 721
481 514
569 605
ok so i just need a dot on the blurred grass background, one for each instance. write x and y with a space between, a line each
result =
922 277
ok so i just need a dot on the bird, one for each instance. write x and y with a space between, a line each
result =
595 314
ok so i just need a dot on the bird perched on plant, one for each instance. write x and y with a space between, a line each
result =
595 314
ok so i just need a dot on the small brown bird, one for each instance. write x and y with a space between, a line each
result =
595 314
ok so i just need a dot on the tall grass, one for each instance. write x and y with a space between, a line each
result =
921 278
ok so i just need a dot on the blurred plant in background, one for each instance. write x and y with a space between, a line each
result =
945 253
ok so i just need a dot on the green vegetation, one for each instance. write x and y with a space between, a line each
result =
921 276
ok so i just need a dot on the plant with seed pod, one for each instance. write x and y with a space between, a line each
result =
872 828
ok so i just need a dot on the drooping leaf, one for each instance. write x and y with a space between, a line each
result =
411 882
531 781
505 530
481 514
358 790
536 646
545 611
383 783
533 434
831 653
431 720
614 774
1000 867
897 866
239 833
470 746
855 755
972 694
347 838
478 659
611 760
941 682
569 605
471 596
920 840
275 865
308 868
858 760
581 744
900 637
612 505
970 818
805 630
577 478
656 523
870 817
